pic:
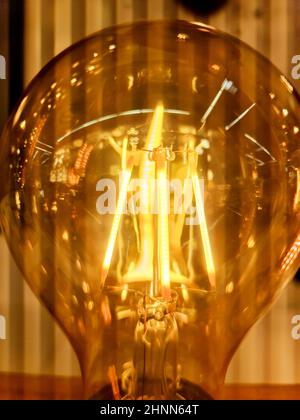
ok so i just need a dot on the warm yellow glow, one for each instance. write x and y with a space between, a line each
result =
163 230
151 170
23 125
185 293
155 133
18 200
124 293
147 172
204 230
230 288
115 225
154 140
118 215
124 154
65 235
144 267
297 196
251 242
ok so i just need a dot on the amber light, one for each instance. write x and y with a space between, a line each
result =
152 202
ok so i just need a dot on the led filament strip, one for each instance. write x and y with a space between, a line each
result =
149 171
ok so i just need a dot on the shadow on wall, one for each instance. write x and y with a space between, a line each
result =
203 7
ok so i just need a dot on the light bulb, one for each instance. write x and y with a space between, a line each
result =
150 196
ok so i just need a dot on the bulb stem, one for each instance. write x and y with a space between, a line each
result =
153 373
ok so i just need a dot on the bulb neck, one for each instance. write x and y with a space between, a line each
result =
153 372
137 351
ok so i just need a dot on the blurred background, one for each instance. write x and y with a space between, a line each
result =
31 33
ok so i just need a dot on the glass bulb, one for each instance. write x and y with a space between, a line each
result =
150 197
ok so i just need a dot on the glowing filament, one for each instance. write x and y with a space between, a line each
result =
155 132
153 141
117 218
204 230
147 172
163 231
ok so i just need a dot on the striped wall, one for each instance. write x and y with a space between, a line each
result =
34 344
4 52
